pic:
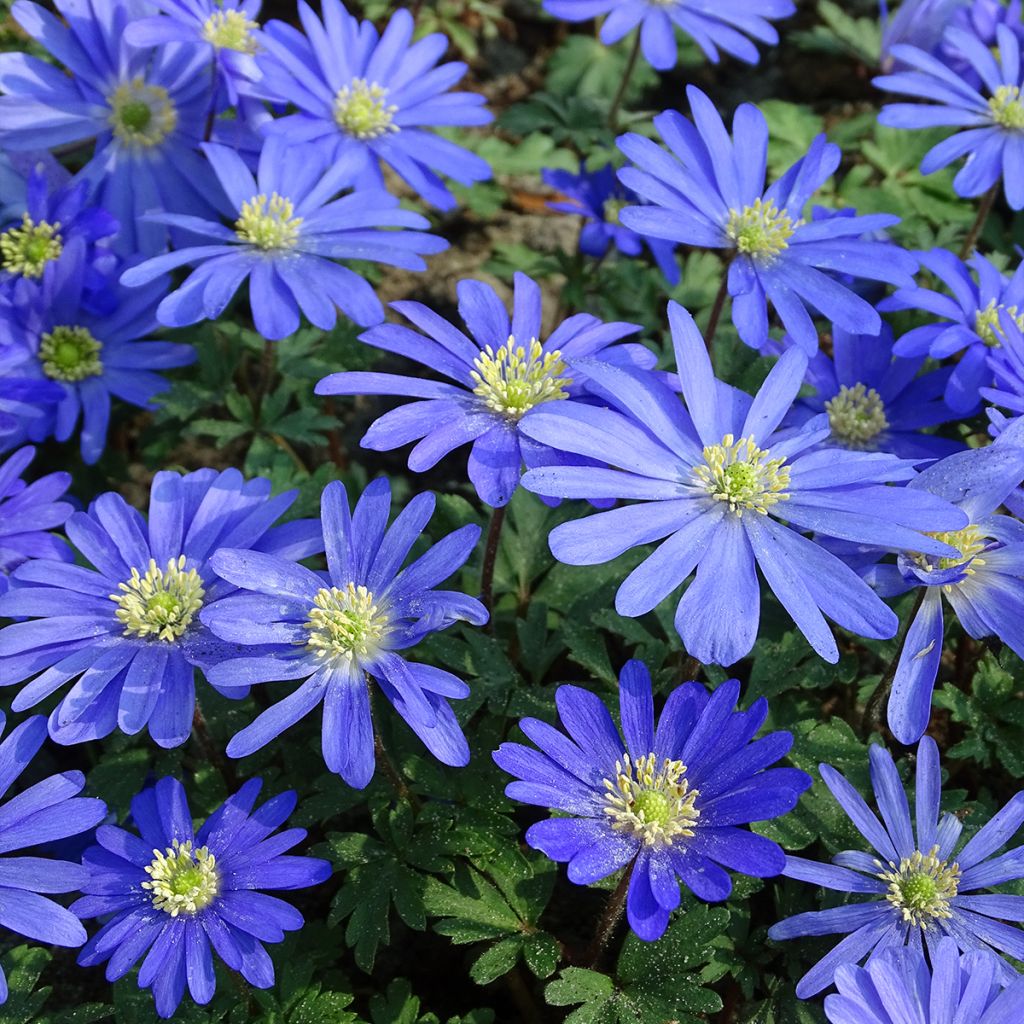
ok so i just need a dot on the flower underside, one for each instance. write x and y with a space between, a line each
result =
921 887
182 880
160 604
761 230
268 223
987 323
514 379
856 415
27 249
141 115
346 622
70 354
362 111
1006 108
742 475
651 799
230 30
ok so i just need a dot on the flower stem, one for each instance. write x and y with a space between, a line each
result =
716 311
873 710
211 752
609 919
398 783
613 111
984 209
490 558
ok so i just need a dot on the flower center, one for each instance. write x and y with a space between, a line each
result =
1006 108
70 353
141 115
970 542
761 230
268 223
651 799
361 110
921 887
513 380
161 604
230 30
741 474
182 880
613 207
346 623
856 415
988 326
27 250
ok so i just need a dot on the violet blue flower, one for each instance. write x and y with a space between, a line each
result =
173 896
668 802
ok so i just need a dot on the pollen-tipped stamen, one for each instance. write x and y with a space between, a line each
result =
268 223
856 416
1006 108
514 379
346 622
160 604
743 475
182 880
69 353
362 111
230 30
651 799
988 323
761 230
921 886
28 248
141 115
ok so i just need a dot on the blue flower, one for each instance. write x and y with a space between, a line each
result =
920 23
722 25
126 633
598 196
897 987
968 321
731 492
41 813
1006 364
667 801
369 97
223 31
28 512
92 356
146 108
877 402
173 896
709 192
989 117
920 890
500 376
337 631
983 579
289 231
26 405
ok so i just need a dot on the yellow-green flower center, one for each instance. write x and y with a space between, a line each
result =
761 230
346 623
613 207
970 542
651 799
70 354
230 30
514 379
921 886
27 249
362 111
182 880
268 223
162 603
1006 107
141 115
988 325
856 415
742 475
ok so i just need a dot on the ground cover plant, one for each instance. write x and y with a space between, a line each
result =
511 511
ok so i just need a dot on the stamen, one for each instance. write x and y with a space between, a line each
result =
970 542
161 604
141 115
361 110
1006 108
27 249
182 880
513 380
761 230
268 223
230 30
346 623
742 475
651 800
988 326
921 887
70 354
856 415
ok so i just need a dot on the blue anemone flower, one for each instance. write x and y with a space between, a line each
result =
731 492
876 401
41 813
92 356
897 987
712 24
969 320
369 97
146 108
920 889
28 512
126 634
173 896
668 802
709 192
337 631
1006 363
288 231
920 23
989 116
983 579
598 196
26 405
498 378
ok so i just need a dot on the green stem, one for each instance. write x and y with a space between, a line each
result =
716 311
490 558
398 783
984 209
609 919
613 112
